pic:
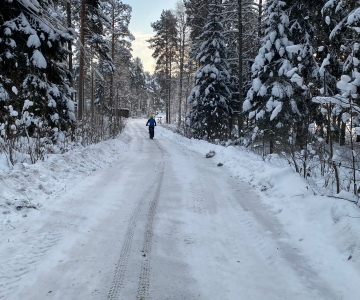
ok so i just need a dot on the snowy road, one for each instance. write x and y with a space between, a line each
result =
161 222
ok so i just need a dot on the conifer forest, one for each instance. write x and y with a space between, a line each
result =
279 78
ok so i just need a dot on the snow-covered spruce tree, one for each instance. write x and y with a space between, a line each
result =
346 27
196 16
330 56
346 105
305 74
211 98
305 78
35 97
244 45
343 18
269 102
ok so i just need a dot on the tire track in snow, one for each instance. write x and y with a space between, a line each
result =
143 288
125 253
126 249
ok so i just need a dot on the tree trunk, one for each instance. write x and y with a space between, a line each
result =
342 133
329 136
352 149
240 89
336 131
81 63
68 12
92 94
169 91
260 16
302 135
112 56
182 53
271 146
167 76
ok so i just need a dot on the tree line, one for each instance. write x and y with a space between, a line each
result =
66 70
279 77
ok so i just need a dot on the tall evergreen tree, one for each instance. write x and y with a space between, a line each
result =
270 99
197 12
120 15
329 58
94 45
343 19
211 98
242 39
182 55
305 75
35 96
165 46
138 85
155 84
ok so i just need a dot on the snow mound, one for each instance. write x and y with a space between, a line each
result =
28 186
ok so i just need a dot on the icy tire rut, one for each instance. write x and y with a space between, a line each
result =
149 232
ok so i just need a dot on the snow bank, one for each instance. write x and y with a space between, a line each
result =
27 187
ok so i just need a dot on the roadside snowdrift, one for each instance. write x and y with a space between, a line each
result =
27 187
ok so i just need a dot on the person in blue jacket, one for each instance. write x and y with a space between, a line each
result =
151 122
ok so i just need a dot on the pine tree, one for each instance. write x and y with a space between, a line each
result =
94 45
327 53
270 99
197 12
242 39
120 15
165 46
155 92
344 22
35 96
137 85
182 56
305 74
211 98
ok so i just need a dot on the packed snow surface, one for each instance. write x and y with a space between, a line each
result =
134 218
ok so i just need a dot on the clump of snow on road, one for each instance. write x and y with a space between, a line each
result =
327 229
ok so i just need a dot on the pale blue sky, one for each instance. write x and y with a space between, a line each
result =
145 12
